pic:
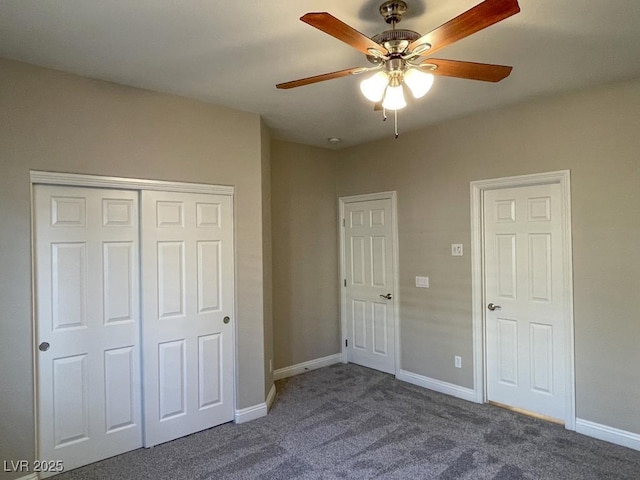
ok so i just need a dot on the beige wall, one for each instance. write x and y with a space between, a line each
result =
58 122
305 253
593 133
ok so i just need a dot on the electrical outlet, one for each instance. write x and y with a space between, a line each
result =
456 249
422 282
458 361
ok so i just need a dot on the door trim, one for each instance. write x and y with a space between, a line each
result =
391 195
124 183
563 178
79 180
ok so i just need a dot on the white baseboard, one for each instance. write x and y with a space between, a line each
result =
306 366
271 397
608 434
244 415
438 385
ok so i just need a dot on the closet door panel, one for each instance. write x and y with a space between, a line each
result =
188 331
87 323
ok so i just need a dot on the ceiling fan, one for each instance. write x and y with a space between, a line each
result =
398 54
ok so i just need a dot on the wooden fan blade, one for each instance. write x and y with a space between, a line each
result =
470 70
338 29
319 78
479 17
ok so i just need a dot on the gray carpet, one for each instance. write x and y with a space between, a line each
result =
350 422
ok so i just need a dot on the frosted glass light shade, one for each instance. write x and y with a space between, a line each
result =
394 98
418 82
373 87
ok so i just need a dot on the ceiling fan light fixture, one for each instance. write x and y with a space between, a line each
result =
397 52
418 82
373 87
394 98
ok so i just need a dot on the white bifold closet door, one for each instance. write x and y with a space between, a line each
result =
187 258
87 331
134 322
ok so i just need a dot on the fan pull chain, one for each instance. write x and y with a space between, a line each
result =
384 114
395 118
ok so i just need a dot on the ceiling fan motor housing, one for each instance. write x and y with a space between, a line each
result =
395 41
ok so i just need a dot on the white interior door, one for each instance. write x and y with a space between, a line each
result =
369 291
525 325
188 308
87 323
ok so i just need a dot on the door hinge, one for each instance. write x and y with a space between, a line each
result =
345 282
344 223
346 342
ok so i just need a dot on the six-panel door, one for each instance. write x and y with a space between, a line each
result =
368 246
188 308
87 310
525 333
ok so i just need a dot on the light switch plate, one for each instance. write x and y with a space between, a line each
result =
456 249
422 282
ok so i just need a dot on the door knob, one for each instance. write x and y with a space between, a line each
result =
493 306
388 296
44 346
226 319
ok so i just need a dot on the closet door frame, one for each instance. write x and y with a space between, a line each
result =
122 183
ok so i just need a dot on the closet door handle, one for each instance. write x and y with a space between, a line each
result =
388 296
226 319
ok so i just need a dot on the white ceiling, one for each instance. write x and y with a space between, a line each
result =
233 54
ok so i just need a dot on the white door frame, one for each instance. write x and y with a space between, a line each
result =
80 180
392 195
477 283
